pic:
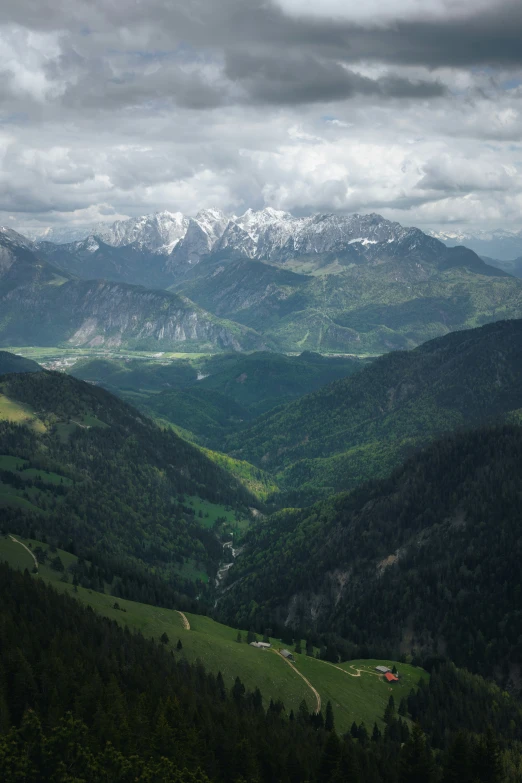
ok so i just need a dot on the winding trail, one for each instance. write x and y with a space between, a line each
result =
358 671
26 549
296 670
186 624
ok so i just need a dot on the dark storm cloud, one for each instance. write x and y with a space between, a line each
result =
288 80
272 57
107 106
483 37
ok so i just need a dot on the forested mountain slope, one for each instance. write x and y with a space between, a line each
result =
347 302
262 380
92 258
256 379
427 560
89 472
205 413
82 699
364 425
9 362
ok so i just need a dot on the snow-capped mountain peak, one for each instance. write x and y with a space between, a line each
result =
157 233
14 237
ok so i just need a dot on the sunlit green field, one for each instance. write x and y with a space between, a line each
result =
16 412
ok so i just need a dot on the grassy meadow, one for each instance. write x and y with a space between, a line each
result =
355 690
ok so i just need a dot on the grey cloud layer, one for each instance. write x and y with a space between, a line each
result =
270 54
112 107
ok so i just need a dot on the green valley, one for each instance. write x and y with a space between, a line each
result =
92 474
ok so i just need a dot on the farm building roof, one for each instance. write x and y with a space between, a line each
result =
382 669
391 677
286 654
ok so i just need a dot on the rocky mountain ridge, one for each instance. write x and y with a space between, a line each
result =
262 234
162 248
42 305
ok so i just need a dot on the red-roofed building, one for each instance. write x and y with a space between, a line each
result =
389 677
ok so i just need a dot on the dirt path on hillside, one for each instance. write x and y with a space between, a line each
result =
358 671
296 670
26 549
186 624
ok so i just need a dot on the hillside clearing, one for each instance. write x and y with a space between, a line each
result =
355 697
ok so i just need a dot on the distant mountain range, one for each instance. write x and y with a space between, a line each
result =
268 235
500 245
327 283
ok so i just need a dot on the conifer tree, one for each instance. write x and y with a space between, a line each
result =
416 763
330 758
457 767
329 717
486 759
389 712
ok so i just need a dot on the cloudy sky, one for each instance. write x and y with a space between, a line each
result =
410 108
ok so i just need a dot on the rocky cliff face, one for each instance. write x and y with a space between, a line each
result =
157 233
203 232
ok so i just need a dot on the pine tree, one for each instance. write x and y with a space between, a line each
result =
486 759
179 645
416 763
457 767
330 758
354 730
329 718
164 639
239 637
376 733
257 699
362 735
304 713
389 712
238 690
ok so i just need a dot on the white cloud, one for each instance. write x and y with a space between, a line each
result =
114 109
381 12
